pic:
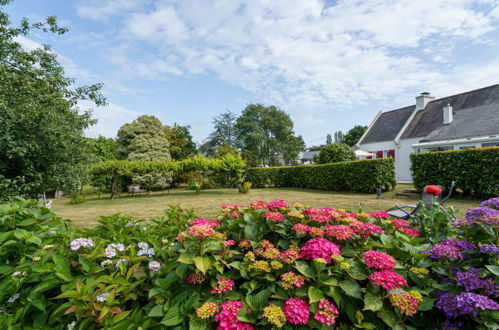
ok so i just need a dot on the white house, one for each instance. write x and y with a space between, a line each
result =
466 120
307 157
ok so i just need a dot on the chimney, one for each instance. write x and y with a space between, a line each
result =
422 100
447 114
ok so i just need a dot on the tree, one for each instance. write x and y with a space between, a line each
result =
329 140
41 141
266 133
353 135
145 139
102 148
333 153
224 134
338 137
181 144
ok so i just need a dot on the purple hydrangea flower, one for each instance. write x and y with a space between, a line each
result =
154 266
448 325
110 250
81 242
471 281
102 297
464 303
13 298
492 203
489 249
483 214
450 248
121 261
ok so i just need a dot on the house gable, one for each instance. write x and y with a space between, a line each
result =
388 125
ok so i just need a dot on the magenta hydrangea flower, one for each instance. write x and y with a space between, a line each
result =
380 214
339 232
379 260
223 285
301 228
319 248
327 312
277 205
274 216
296 311
204 221
227 318
388 279
201 231
229 242
258 205
364 229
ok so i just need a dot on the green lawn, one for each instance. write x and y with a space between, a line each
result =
207 204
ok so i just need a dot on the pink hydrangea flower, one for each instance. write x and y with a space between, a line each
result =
327 312
319 248
388 279
289 256
229 242
267 250
277 205
195 278
274 216
235 214
339 232
231 207
245 243
379 260
380 214
301 228
201 231
364 229
296 311
405 302
227 318
258 205
316 232
399 223
181 237
290 280
410 231
223 285
204 221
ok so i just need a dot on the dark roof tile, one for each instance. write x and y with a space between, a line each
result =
388 125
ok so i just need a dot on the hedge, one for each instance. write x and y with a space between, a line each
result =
476 171
355 176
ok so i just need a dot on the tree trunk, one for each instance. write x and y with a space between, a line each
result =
114 186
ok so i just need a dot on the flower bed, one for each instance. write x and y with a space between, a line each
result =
261 266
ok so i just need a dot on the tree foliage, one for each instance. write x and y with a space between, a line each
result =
224 134
353 135
102 148
333 153
181 144
145 139
267 133
41 142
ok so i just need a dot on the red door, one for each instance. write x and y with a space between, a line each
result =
379 154
391 153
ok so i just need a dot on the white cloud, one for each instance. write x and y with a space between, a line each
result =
109 118
26 43
305 54
103 9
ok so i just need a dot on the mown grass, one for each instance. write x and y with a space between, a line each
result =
207 203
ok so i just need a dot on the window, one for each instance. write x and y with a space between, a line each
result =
490 144
466 147
391 153
379 154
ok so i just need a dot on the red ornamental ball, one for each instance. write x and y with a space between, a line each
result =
433 190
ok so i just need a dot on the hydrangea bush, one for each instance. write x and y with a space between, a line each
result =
265 265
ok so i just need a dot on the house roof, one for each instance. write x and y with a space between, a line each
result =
309 154
475 113
388 125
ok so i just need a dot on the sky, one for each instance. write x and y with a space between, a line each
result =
330 65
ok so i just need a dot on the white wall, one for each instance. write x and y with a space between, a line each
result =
402 160
402 152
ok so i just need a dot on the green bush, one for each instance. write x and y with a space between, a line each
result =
474 170
76 198
357 176
333 153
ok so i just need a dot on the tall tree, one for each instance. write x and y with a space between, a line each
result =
354 134
145 139
329 140
266 133
102 148
338 137
41 127
181 144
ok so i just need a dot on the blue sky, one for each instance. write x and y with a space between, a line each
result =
329 64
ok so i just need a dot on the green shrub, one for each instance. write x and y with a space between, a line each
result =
245 187
333 153
474 170
76 198
356 176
